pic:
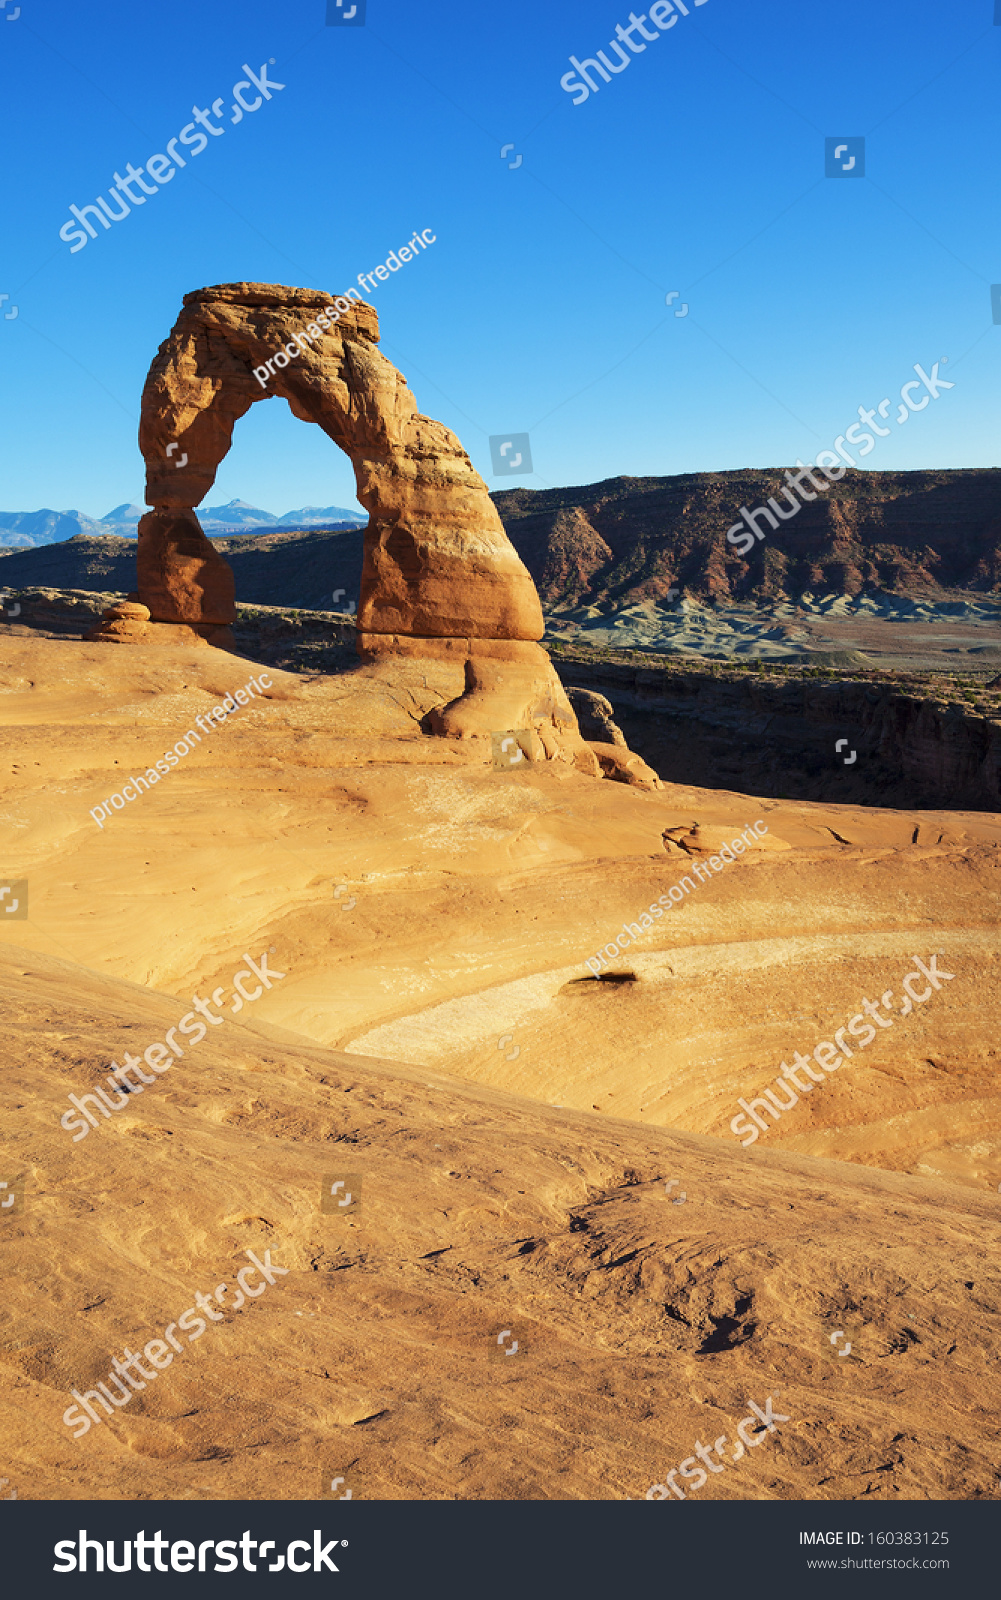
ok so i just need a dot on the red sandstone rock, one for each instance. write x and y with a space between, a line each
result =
182 577
375 646
619 763
516 689
130 610
437 559
131 630
440 577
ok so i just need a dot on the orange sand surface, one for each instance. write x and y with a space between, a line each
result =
514 1123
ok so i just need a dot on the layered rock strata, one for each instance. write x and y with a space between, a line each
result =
128 622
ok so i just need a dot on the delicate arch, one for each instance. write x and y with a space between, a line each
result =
437 560
439 577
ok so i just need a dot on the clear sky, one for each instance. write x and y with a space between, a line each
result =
540 307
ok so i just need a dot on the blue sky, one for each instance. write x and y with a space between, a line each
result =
541 306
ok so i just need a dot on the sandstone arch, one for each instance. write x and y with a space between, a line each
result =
440 576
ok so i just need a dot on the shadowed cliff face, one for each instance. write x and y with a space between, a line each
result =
914 741
633 539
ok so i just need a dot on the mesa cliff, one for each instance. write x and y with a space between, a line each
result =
629 540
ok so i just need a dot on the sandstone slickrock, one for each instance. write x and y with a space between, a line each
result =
699 840
618 762
477 895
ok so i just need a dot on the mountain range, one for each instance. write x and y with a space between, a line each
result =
620 543
27 530
632 540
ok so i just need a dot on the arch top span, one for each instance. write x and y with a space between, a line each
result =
437 561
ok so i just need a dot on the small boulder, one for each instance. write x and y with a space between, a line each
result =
127 611
618 762
595 716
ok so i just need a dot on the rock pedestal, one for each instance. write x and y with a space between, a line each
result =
124 623
129 622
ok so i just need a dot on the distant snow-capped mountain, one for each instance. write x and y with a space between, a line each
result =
125 515
236 516
321 516
27 530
